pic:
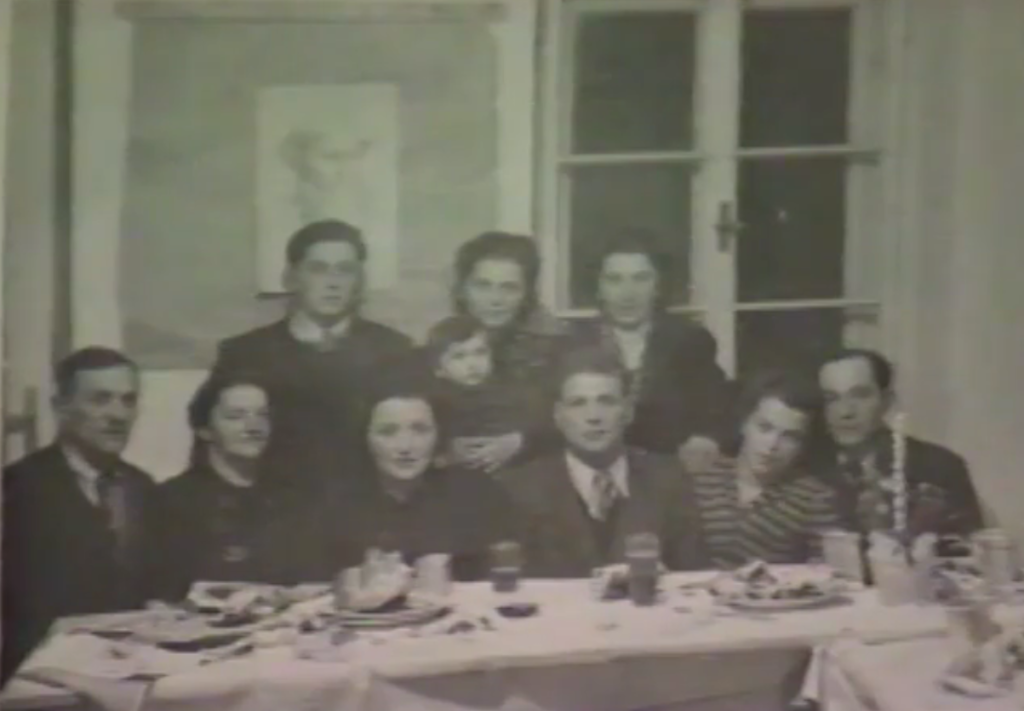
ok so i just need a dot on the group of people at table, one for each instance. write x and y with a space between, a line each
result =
326 434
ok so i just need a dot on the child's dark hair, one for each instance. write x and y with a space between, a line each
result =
449 332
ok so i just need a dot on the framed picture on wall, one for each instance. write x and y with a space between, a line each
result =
327 152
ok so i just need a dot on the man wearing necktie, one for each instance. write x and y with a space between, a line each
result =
76 514
858 389
576 507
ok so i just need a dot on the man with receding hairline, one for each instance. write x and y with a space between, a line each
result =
76 515
858 388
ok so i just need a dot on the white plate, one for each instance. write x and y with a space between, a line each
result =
417 611
189 633
743 602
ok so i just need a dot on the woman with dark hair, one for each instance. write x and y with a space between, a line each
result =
406 502
679 393
216 520
768 504
496 275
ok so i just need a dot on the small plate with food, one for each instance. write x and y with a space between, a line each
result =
757 586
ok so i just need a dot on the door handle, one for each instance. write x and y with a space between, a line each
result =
727 226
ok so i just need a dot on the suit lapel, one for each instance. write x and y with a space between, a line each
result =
570 518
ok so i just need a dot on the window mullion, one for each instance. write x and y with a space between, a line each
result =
717 120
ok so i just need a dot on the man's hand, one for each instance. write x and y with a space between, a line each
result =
700 455
928 508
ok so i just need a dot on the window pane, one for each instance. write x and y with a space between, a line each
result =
634 82
605 199
799 339
794 217
796 77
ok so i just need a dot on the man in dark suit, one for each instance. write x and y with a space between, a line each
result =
315 360
577 507
75 513
858 390
680 396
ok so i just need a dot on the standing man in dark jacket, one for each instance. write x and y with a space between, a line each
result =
315 360
76 516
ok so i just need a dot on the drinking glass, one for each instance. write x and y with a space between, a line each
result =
643 554
506 566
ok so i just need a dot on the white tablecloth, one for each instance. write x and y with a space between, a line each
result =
899 676
576 654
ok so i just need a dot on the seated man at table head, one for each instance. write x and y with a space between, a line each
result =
577 506
767 504
859 392
75 513
315 360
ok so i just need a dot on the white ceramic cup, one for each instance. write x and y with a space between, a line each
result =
433 574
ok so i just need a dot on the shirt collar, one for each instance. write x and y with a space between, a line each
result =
582 475
306 330
86 475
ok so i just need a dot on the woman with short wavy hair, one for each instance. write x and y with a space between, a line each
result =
767 504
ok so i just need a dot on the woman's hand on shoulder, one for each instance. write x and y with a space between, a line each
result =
491 453
700 455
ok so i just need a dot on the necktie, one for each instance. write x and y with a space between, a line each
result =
605 494
114 503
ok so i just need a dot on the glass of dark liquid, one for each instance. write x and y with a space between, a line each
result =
643 558
506 566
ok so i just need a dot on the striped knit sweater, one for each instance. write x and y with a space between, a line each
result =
783 525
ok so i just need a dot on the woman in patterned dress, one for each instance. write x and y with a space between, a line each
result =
767 504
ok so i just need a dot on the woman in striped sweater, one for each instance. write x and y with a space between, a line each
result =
766 504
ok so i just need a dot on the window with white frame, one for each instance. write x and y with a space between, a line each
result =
749 136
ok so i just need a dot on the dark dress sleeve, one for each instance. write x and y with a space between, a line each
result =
484 517
684 547
173 541
705 391
527 363
27 608
961 514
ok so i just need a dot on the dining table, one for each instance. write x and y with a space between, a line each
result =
905 675
687 651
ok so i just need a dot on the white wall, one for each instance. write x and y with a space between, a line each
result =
32 207
961 289
986 338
